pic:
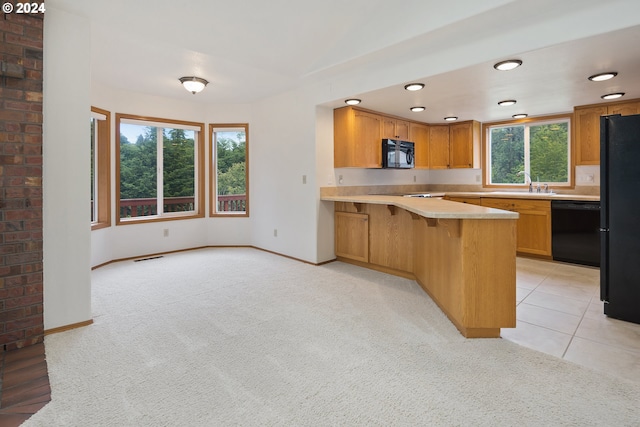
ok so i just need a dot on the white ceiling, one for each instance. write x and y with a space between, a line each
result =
250 50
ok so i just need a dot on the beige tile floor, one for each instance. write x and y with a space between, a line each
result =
559 312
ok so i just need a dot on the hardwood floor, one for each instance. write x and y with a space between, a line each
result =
24 384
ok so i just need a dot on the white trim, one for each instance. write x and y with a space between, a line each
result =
98 116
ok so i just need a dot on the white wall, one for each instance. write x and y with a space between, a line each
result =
66 191
132 240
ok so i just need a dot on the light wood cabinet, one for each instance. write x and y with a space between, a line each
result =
469 200
586 128
439 147
463 138
357 140
352 235
419 134
454 146
395 128
533 226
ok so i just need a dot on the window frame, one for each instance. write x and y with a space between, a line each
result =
199 164
531 121
102 169
213 168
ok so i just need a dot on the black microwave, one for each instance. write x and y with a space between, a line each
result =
397 154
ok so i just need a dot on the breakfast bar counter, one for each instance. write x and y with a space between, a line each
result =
463 256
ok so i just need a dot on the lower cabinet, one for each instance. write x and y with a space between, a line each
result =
352 235
533 226
469 200
389 249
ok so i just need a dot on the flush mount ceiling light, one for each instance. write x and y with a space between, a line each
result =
507 65
451 118
414 86
612 95
352 101
603 76
417 109
519 116
193 84
507 102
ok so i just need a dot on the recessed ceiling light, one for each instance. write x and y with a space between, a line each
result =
414 86
451 119
507 65
602 76
417 109
519 116
507 102
612 95
352 101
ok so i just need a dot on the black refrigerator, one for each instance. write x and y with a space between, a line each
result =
620 216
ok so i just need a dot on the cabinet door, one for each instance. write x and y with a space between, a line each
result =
587 134
439 147
402 130
626 109
367 141
419 134
461 145
395 129
534 227
352 236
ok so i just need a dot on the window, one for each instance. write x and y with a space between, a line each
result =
160 169
230 181
535 151
100 169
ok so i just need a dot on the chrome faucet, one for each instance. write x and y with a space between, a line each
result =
530 181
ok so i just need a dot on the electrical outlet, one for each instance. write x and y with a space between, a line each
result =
340 179
414 178
304 179
477 178
166 232
275 232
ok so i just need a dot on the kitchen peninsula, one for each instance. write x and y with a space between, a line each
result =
462 255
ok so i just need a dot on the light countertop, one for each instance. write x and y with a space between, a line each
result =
523 195
429 207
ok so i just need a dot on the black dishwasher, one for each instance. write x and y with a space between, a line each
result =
575 232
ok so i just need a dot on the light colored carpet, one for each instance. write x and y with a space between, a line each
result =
238 336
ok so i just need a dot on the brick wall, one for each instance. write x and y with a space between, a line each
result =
21 297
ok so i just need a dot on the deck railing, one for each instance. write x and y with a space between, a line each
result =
130 208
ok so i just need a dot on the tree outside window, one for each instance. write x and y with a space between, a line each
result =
539 150
229 159
160 168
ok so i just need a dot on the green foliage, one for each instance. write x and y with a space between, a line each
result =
549 152
233 180
138 166
179 169
507 154
230 159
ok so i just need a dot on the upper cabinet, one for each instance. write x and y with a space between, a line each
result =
358 134
395 129
453 146
357 138
439 146
464 138
586 122
419 134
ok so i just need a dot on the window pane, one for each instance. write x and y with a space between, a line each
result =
178 170
230 170
549 152
507 155
138 166
93 168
